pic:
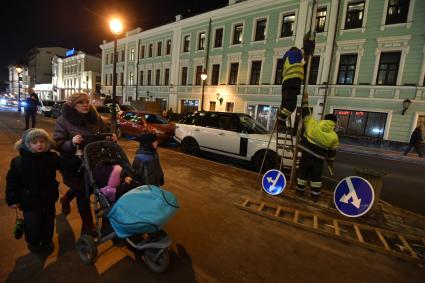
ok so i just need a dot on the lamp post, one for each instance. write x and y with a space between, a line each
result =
116 29
19 71
203 77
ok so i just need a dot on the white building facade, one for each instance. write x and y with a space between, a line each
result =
18 82
78 72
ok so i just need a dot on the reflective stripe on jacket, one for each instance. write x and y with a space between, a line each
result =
293 66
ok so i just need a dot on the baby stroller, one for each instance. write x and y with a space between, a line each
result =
151 246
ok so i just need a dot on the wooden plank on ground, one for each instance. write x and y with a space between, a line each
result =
358 233
407 246
383 241
336 227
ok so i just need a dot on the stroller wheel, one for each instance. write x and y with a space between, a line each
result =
87 249
157 260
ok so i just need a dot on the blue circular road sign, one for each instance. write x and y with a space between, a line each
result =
354 196
274 182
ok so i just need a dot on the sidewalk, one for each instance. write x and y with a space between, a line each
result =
382 153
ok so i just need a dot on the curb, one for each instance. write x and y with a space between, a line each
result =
400 158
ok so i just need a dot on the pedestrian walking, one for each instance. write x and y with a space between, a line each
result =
146 165
79 119
317 145
31 186
415 141
31 104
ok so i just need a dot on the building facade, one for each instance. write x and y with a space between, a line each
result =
369 59
77 72
18 83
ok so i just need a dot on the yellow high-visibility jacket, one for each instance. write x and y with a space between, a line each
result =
321 138
293 65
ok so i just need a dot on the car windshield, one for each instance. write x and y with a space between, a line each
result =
103 109
48 102
155 119
252 126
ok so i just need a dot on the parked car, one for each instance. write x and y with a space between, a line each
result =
56 109
121 108
236 135
45 107
133 123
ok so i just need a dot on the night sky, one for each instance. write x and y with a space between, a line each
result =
82 24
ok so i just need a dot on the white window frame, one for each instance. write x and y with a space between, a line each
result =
233 31
342 29
347 47
281 15
324 33
222 39
257 55
190 42
379 110
132 53
392 44
254 29
198 34
407 24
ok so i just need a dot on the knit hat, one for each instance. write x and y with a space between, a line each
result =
146 140
331 117
31 135
74 98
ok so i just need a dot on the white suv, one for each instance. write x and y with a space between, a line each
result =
235 135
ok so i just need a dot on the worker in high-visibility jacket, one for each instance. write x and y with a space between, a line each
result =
318 144
293 77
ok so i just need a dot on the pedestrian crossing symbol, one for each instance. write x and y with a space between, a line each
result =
354 196
274 182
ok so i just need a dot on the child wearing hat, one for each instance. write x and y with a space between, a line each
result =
146 165
32 187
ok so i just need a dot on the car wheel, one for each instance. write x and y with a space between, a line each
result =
269 161
190 146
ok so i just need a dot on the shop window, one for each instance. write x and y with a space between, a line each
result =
361 123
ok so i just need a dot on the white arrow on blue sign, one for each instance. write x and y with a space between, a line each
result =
274 182
354 196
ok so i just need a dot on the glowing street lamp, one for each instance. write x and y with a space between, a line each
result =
116 27
203 77
19 71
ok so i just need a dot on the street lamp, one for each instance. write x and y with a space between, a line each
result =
116 28
203 77
19 71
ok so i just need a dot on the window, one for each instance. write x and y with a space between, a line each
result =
198 75
167 77
132 51
233 78
388 68
149 77
168 48
279 72
260 30
158 77
361 123
107 59
212 120
255 73
287 28
186 43
320 20
237 34
184 76
314 70
397 11
106 79
201 41
159 48
191 106
347 68
114 57
131 78
122 55
121 78
215 74
141 78
218 40
110 78
150 54
230 106
212 105
354 18
142 52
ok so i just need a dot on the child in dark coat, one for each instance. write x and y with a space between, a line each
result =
32 187
146 165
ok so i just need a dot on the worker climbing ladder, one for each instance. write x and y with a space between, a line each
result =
285 146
